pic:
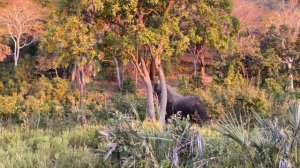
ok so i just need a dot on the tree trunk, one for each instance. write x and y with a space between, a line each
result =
81 117
150 99
291 78
202 66
205 79
56 73
120 78
81 96
195 61
163 85
143 71
152 71
16 53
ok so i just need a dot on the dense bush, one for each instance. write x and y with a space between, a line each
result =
269 143
146 144
45 99
47 148
239 97
131 104
129 85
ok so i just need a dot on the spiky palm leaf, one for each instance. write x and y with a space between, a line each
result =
272 144
146 144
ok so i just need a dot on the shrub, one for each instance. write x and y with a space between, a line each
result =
132 104
135 144
8 104
129 85
48 148
45 100
268 143
241 98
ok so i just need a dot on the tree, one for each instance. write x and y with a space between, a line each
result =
281 50
22 21
209 26
143 32
73 44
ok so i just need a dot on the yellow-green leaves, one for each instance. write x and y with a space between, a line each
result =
70 40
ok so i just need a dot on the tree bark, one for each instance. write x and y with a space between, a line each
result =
143 71
195 61
163 85
16 52
150 99
202 65
81 95
120 78
152 71
81 117
56 73
291 78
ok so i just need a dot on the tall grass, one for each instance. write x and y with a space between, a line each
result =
47 148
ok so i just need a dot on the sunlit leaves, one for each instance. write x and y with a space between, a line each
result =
68 41
211 23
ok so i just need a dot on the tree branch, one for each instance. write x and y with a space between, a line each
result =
170 5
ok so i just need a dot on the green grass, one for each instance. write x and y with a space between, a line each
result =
48 148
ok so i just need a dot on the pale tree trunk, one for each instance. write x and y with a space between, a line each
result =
56 73
136 77
81 117
205 79
17 56
202 66
16 51
163 85
291 78
195 61
81 96
143 71
289 61
193 51
81 87
120 78
150 99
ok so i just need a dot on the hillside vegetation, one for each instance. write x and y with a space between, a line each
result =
79 83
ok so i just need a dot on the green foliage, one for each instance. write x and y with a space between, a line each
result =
206 21
44 100
72 41
136 144
268 144
131 104
273 87
129 85
240 97
233 77
48 148
248 87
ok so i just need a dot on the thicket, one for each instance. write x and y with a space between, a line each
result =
76 83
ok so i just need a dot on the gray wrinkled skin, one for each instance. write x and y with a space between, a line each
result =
185 105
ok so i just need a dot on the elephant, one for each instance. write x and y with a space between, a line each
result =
185 105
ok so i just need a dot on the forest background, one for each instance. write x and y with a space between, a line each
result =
73 70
